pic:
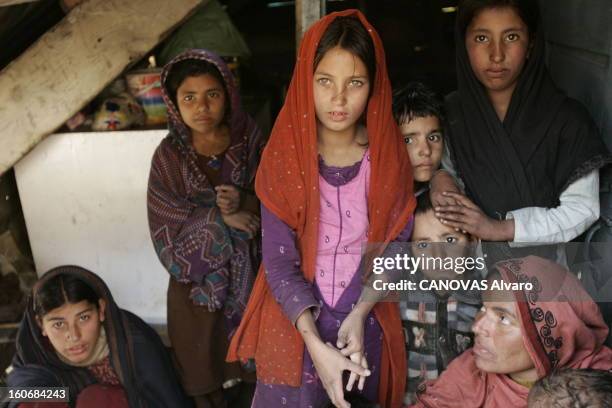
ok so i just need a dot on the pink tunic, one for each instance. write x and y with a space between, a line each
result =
343 229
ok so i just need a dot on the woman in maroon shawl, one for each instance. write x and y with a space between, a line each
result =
522 336
203 217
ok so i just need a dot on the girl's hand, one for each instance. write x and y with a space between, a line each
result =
469 218
440 183
358 358
330 364
242 220
350 334
228 198
350 340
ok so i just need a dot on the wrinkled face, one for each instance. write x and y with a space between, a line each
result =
498 343
201 102
436 240
497 42
423 138
341 89
73 329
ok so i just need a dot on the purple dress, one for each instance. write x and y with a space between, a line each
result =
295 294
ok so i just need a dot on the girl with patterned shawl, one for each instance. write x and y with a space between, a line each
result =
129 366
559 326
211 264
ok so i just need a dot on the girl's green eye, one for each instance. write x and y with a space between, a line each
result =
356 83
323 81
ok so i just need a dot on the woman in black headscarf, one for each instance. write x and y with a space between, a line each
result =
74 335
529 156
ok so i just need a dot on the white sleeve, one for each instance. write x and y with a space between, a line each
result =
577 211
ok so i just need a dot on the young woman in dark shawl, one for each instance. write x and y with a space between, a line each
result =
74 335
529 156
204 217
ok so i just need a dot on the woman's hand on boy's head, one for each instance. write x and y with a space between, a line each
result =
469 218
439 199
228 198
441 183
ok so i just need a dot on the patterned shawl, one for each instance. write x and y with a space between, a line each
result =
136 353
287 184
562 328
190 238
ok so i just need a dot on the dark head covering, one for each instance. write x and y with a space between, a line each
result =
137 354
546 141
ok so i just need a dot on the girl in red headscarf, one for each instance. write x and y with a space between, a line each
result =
333 176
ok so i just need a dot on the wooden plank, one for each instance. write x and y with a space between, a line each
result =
4 3
9 326
306 13
71 63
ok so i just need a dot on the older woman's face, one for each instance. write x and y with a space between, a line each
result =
498 344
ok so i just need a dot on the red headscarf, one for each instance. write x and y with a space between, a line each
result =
287 184
562 328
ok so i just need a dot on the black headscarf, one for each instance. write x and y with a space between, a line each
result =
546 141
136 353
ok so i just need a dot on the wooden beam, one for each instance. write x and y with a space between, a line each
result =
71 63
4 3
306 13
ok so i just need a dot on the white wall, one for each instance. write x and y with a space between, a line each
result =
84 200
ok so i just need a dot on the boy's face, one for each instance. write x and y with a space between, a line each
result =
423 138
434 239
201 102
